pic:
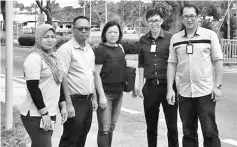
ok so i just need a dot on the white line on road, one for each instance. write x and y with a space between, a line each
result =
230 141
16 79
130 111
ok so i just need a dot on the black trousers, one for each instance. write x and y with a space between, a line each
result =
154 95
39 137
75 129
202 108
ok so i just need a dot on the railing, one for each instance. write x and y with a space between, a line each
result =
229 48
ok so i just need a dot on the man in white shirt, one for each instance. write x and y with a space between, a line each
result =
78 62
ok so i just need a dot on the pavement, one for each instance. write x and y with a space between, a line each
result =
130 130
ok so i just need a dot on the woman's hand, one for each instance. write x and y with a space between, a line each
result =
46 122
64 115
102 102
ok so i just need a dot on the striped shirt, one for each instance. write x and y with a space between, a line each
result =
194 75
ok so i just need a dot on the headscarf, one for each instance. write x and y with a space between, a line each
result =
51 58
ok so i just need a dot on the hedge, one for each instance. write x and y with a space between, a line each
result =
130 46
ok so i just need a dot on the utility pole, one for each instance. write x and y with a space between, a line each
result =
228 20
9 65
106 13
90 21
139 21
84 8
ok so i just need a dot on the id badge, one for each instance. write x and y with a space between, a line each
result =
189 49
153 48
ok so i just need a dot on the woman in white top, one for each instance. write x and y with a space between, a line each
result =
44 77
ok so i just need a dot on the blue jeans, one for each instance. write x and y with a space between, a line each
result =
108 117
202 108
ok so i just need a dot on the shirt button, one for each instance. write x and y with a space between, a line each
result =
155 55
155 64
156 73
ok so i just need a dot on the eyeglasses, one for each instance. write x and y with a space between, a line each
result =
82 28
192 17
154 21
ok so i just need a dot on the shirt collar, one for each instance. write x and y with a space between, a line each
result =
77 46
197 32
162 34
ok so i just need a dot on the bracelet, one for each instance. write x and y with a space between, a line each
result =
45 113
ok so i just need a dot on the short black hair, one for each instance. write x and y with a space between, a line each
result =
189 6
152 13
107 26
79 17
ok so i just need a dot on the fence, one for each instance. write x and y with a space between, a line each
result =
229 48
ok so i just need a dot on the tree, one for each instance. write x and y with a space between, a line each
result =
47 10
3 4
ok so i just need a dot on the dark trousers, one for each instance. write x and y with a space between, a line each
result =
154 95
38 136
202 108
75 129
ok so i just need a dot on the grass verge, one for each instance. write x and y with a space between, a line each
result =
17 136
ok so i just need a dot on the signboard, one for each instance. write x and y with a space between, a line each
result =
41 19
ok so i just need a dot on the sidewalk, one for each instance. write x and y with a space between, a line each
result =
130 130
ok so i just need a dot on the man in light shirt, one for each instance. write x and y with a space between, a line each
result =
78 62
193 53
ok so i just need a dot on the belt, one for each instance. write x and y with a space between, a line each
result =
156 81
85 97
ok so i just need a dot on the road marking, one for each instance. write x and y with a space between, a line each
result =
230 141
230 71
130 111
14 78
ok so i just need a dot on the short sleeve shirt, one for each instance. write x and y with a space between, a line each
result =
79 66
113 69
36 69
195 71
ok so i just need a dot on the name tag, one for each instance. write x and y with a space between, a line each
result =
189 49
153 48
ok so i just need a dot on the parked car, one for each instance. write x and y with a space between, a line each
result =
130 30
95 29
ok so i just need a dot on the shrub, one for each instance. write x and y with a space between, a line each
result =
17 136
130 46
27 40
61 40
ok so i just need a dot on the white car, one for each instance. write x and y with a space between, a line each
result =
130 31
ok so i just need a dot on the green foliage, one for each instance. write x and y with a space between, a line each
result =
206 24
27 40
130 46
17 136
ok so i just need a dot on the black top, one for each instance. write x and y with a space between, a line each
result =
114 65
154 63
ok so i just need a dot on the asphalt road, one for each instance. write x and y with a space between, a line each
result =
225 111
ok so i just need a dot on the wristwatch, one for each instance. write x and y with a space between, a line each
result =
45 113
218 86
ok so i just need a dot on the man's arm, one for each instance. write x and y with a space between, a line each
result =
218 79
70 107
141 81
171 70
218 71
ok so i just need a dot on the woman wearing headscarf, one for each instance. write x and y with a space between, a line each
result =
44 80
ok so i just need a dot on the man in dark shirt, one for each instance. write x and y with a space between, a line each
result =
153 56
